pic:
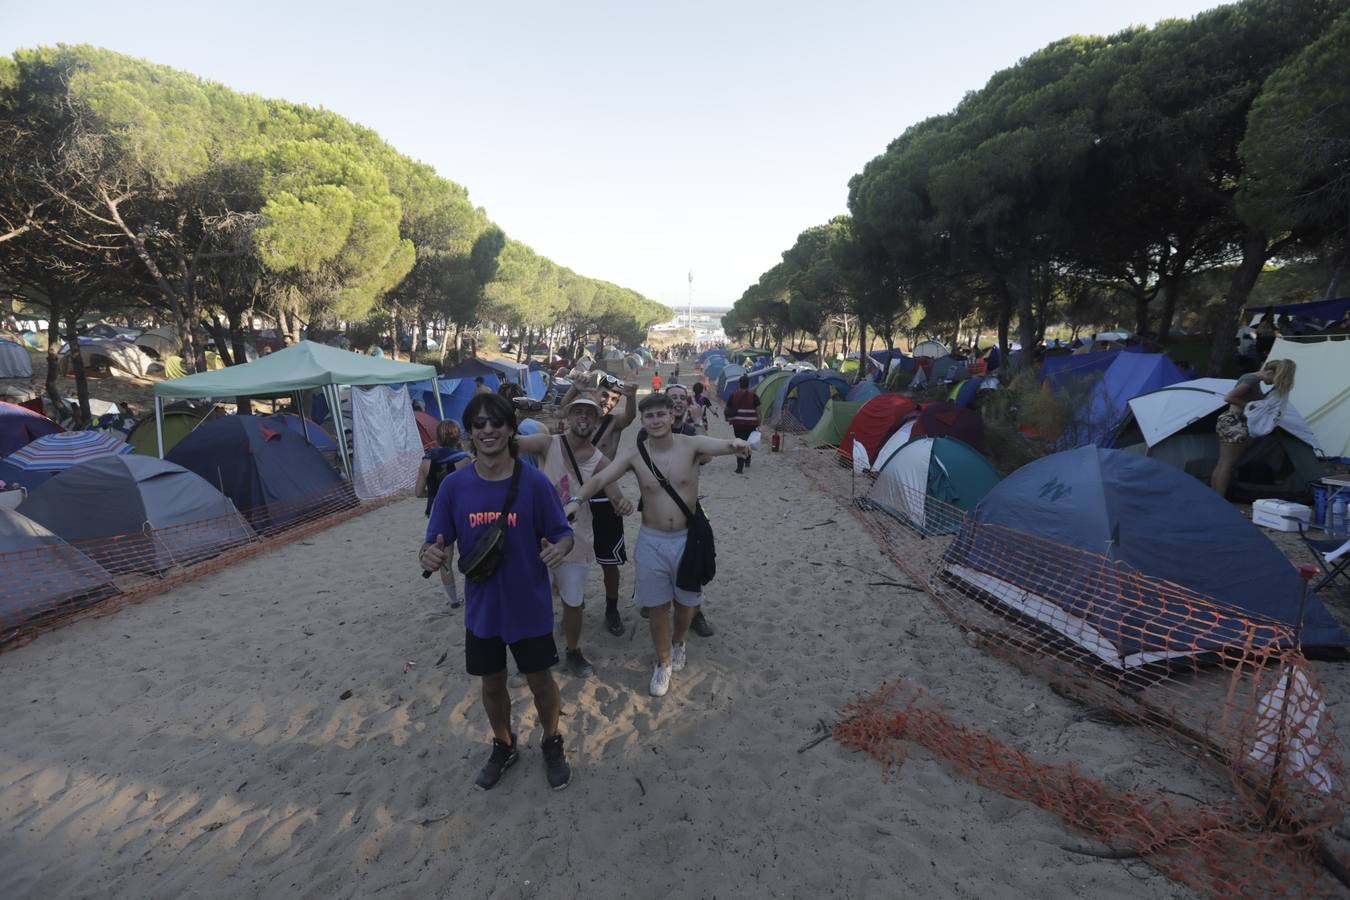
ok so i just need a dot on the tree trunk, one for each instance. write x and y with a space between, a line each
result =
222 340
1169 288
1026 321
81 414
1255 251
1004 324
54 355
862 351
239 353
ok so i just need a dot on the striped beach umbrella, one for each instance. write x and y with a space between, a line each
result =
55 452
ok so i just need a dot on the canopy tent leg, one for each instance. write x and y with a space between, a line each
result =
159 424
297 402
335 399
436 389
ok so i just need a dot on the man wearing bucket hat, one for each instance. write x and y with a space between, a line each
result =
570 460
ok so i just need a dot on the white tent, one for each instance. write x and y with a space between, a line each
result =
894 442
161 341
1321 387
14 361
511 372
120 355
930 348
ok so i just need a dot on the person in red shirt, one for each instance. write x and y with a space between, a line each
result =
656 382
743 415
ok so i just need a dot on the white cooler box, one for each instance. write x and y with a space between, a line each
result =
1280 515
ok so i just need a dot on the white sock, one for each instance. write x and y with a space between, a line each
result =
452 591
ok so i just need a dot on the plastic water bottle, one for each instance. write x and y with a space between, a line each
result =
1340 515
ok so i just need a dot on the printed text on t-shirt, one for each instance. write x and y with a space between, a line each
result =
487 518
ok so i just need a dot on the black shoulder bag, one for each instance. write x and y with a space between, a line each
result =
698 564
487 555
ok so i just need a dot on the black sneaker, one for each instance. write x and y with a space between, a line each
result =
613 622
577 664
645 612
555 763
503 757
700 625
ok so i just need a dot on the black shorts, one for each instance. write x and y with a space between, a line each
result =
607 529
742 431
487 656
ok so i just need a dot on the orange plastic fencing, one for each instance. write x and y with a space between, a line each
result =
1221 684
51 584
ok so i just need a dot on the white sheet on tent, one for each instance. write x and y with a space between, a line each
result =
384 437
1163 413
1321 388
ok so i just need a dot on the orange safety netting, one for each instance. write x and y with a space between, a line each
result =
1220 683
44 586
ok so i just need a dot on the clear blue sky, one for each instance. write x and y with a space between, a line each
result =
628 141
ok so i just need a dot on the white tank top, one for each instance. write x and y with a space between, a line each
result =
559 471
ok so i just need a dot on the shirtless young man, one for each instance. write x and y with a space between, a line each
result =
664 528
606 526
569 578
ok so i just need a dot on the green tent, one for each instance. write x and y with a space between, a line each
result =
305 366
769 391
848 367
177 424
834 422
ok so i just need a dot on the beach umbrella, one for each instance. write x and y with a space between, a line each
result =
54 452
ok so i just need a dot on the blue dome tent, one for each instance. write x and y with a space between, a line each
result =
1178 546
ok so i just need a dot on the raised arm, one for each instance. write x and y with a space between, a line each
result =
622 506
601 480
710 447
534 443
572 393
625 418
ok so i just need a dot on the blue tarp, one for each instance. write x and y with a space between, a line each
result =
1317 309
538 386
272 479
1149 518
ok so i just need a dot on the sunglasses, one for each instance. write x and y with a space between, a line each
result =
484 421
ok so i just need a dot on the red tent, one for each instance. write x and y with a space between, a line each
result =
950 420
876 421
426 428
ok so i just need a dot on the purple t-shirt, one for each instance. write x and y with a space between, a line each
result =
517 602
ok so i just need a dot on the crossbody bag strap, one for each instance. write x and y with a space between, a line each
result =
604 426
572 459
674 494
511 491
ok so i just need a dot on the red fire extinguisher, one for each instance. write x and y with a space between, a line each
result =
776 442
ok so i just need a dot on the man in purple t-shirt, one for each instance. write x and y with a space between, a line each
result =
514 608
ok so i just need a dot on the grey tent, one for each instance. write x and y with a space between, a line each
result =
137 514
41 576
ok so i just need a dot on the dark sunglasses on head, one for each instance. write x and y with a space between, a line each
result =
485 421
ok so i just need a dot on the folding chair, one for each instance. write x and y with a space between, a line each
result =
1320 547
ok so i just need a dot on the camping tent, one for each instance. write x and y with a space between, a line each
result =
160 342
1321 388
32 464
771 391
949 420
864 391
1130 560
509 371
111 354
1127 376
137 514
304 366
178 421
42 576
728 381
808 392
930 483
877 420
308 430
1176 425
834 421
14 360
426 428
20 425
930 349
270 474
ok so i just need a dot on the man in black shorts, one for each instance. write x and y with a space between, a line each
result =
513 606
606 524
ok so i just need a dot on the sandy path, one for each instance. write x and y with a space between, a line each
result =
197 745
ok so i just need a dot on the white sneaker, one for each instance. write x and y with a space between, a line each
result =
660 680
677 657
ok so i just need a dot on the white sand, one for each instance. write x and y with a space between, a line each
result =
196 745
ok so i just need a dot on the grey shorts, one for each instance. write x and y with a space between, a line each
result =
657 557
